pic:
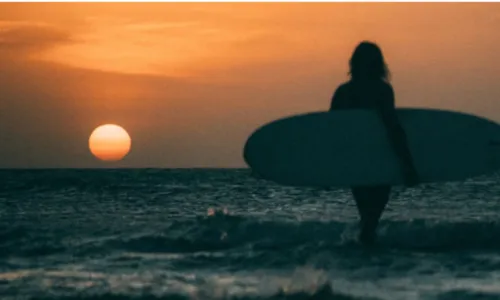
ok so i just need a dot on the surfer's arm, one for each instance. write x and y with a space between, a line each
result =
397 135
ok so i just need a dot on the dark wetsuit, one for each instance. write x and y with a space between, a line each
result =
377 95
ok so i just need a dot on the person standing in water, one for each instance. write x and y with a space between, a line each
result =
369 88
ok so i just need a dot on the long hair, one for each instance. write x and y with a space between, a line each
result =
367 63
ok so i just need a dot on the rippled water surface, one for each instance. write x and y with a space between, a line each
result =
220 234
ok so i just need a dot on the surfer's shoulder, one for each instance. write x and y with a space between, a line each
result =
387 86
344 87
340 91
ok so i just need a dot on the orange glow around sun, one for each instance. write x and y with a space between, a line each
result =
109 142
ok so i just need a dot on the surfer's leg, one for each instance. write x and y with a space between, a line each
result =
371 202
380 197
360 195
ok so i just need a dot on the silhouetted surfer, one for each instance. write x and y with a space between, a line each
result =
369 88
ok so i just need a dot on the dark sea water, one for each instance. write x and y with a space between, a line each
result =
220 234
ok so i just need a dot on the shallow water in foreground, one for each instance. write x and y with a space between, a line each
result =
219 234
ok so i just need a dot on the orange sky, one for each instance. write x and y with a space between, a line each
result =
191 81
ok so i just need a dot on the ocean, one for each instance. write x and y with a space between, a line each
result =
221 234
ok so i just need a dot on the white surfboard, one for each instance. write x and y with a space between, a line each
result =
351 147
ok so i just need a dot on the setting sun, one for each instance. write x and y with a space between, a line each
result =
109 142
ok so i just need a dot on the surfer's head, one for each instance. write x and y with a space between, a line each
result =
367 63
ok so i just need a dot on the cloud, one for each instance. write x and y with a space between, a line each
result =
23 39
